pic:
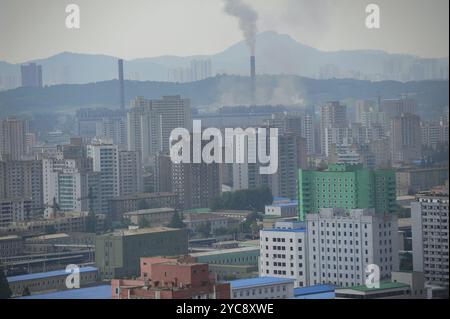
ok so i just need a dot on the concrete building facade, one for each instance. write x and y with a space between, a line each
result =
348 187
430 236
341 245
117 254
283 252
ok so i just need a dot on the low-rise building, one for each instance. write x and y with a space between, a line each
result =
63 223
59 242
49 281
262 288
131 203
415 180
315 292
155 217
10 246
166 278
226 272
282 209
102 292
195 221
117 254
387 290
235 256
402 286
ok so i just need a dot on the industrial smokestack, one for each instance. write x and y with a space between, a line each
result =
121 85
253 78
248 19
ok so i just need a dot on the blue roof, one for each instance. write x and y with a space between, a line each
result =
292 203
260 281
310 290
98 292
41 275
277 199
325 295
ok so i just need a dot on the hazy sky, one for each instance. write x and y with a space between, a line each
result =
31 29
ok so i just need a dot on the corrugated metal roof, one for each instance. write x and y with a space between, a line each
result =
41 275
98 292
260 281
320 296
313 290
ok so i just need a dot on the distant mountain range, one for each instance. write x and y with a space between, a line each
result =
218 91
276 54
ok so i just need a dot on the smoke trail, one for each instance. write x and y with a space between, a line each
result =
247 20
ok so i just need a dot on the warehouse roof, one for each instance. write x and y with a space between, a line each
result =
41 275
98 292
310 290
260 281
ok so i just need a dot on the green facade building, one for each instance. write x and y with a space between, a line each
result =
346 186
235 256
118 254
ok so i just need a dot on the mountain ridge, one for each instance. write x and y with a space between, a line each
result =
275 54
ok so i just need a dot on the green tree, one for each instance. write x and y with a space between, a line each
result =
91 222
204 229
254 199
176 221
255 228
5 291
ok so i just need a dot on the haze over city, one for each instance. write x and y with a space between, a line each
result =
32 29
245 151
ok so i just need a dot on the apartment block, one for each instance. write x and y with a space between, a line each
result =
150 123
283 252
22 179
429 213
348 187
342 244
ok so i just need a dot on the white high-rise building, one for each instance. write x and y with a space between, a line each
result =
105 160
64 185
332 247
150 123
340 246
429 215
283 252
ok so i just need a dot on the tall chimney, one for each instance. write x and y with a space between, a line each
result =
253 78
121 85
